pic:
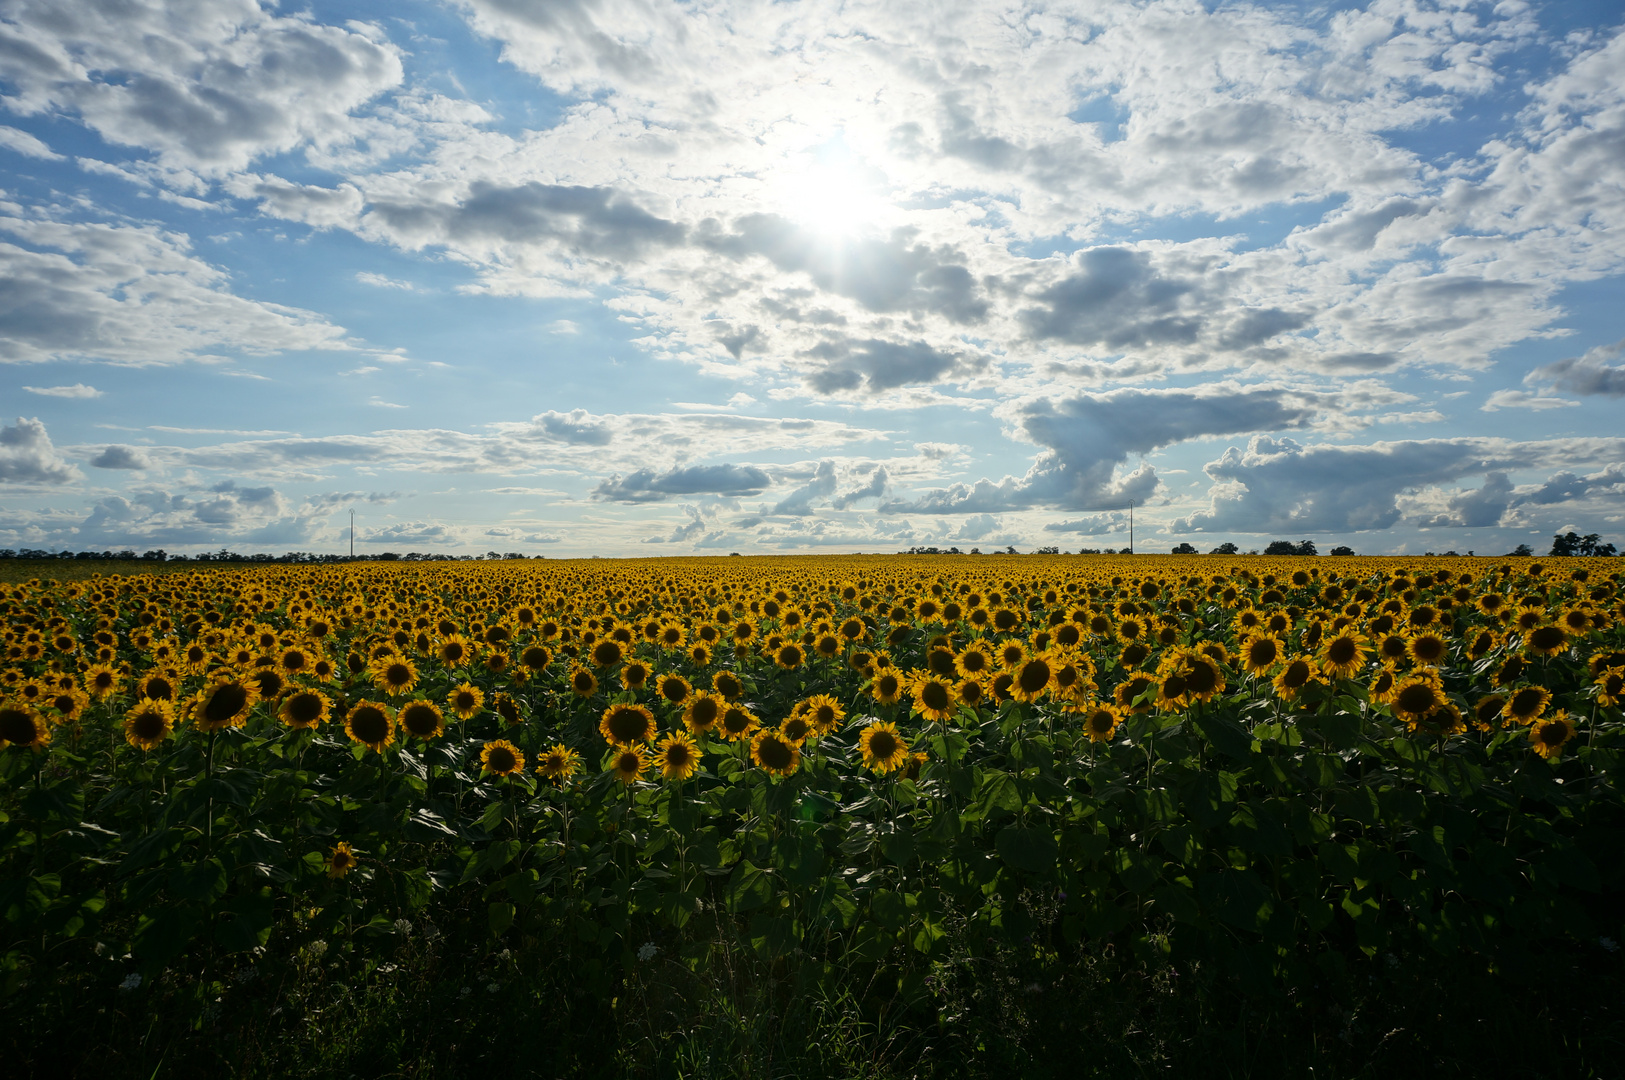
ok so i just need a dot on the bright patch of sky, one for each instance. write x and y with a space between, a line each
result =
573 277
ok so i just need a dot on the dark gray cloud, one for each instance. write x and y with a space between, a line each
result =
592 222
1114 299
120 457
27 456
874 365
1596 374
646 485
577 427
897 273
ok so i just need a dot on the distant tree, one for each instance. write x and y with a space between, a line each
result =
1342 549
1573 544
1521 550
1281 547
1226 548
1305 547
1011 550
1125 551
955 551
975 551
1088 551
1048 551
1186 549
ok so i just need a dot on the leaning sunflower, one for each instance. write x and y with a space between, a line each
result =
341 860
1031 678
1611 686
394 675
224 703
677 756
630 763
149 723
1549 736
1527 703
737 723
499 757
883 747
823 713
20 725
1417 695
582 682
1100 721
933 695
772 752
559 763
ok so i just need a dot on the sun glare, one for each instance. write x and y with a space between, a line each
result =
832 197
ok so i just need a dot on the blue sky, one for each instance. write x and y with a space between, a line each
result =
576 277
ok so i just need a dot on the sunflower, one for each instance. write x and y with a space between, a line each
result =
796 727
1510 671
304 709
677 756
1344 654
1297 674
625 724
535 658
630 763
975 661
224 703
1487 711
268 682
1259 654
1393 648
394 675
582 682
294 661
883 747
1611 686
69 703
737 723
789 656
559 763
1011 654
454 650
421 719
824 713
465 700
1551 735
1482 643
1100 721
1031 678
772 752
1428 648
372 724
970 693
728 684
1547 640
886 688
1125 693
159 685
606 653
499 757
1443 719
1417 695
341 860
1526 703
933 695
102 681
149 723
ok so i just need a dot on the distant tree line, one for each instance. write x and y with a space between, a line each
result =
225 556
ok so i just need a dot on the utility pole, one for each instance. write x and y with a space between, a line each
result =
1131 526
352 535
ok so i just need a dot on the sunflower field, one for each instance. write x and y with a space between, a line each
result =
898 782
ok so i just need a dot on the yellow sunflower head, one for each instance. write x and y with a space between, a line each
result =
883 747
372 724
341 860
737 723
224 703
559 763
1549 736
421 719
499 757
629 763
626 724
772 752
465 700
304 709
677 756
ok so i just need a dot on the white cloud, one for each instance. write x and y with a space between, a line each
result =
1518 399
77 390
23 143
27 456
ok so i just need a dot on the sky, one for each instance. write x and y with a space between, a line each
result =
644 277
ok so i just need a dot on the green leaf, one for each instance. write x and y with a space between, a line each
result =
748 887
500 916
203 882
494 856
246 921
1228 737
1238 897
1000 792
1026 848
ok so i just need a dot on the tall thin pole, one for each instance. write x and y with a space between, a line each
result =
1131 526
352 534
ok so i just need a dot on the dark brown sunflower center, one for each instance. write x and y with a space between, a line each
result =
370 724
673 690
705 713
147 725
18 726
606 653
775 753
397 674
1342 651
628 725
882 745
226 702
678 755
305 708
535 657
1527 702
735 721
419 719
501 760
1101 720
1548 638
1417 698
1553 734
1296 674
1035 675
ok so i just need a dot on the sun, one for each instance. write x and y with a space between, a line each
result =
831 193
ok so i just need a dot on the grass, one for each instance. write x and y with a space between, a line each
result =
452 1003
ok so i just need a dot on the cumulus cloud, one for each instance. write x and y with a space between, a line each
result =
207 85
647 485
800 501
27 456
1598 373
21 142
879 481
131 295
1279 485
120 457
